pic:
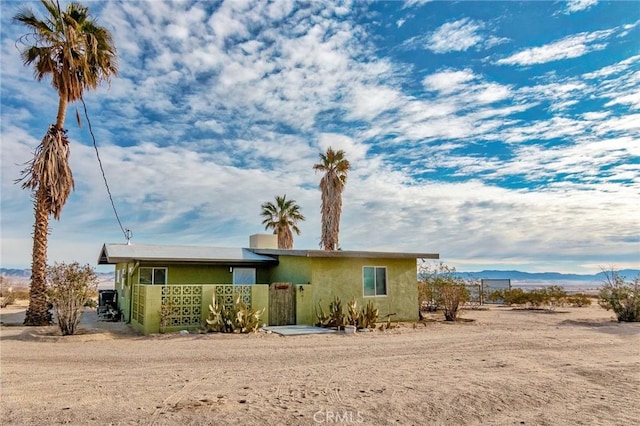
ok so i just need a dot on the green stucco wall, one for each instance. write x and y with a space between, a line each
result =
292 269
342 277
323 279
317 280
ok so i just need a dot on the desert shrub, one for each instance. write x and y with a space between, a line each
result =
427 296
69 287
364 318
549 297
452 296
91 303
621 296
579 300
514 296
555 296
240 318
7 298
439 288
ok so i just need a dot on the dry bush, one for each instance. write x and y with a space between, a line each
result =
453 296
439 288
6 300
69 287
621 296
579 300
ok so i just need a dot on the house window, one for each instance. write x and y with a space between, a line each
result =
156 276
244 276
375 280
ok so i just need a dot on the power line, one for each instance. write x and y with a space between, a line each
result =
127 232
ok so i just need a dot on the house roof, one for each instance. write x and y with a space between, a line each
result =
116 253
345 254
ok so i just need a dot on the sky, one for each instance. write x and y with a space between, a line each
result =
501 135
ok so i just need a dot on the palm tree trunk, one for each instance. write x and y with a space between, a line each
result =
37 313
62 112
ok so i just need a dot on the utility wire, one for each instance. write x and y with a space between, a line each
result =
127 232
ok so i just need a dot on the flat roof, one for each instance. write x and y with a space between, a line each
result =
117 253
345 254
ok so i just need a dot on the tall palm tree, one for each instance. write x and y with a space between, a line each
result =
282 217
78 54
335 167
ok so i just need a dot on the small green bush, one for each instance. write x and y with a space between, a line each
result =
579 300
621 296
69 287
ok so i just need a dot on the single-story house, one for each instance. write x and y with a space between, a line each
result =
176 284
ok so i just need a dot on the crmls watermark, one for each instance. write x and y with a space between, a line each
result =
338 417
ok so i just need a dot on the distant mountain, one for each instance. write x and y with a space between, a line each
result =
25 274
15 273
629 274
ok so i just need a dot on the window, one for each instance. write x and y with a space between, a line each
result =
244 276
157 276
375 280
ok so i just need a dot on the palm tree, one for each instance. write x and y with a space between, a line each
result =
335 168
282 217
77 54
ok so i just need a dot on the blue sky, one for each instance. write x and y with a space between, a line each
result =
501 135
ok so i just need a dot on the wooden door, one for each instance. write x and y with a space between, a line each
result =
282 304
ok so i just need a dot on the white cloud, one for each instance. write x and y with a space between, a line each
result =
448 81
459 35
415 3
568 47
573 6
222 112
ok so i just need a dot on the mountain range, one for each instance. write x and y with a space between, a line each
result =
628 274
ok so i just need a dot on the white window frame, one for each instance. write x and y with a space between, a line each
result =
375 287
153 269
244 269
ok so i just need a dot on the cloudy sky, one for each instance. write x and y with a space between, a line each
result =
499 134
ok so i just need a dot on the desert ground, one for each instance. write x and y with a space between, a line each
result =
575 366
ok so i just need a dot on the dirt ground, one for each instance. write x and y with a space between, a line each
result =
507 367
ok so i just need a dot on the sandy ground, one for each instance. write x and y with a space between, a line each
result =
507 367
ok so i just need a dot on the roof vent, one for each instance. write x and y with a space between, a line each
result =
263 241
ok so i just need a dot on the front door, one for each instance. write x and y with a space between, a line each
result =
282 304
